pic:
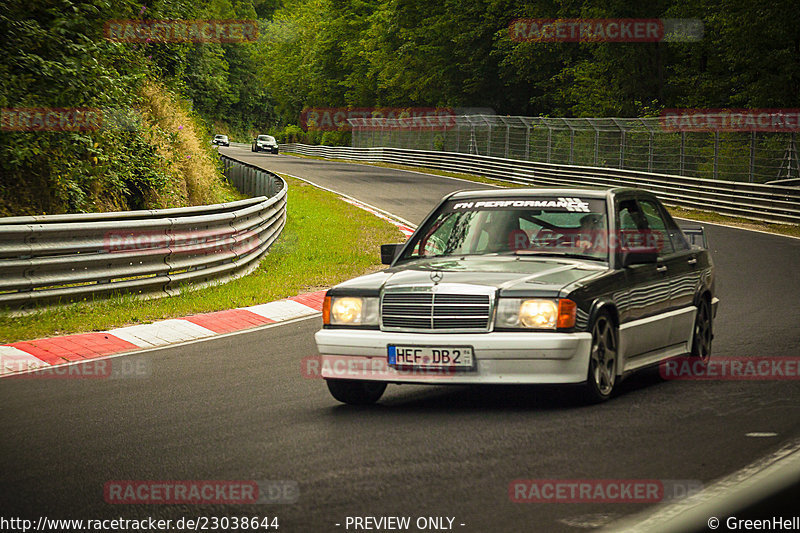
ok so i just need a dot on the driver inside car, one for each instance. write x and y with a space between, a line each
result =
589 234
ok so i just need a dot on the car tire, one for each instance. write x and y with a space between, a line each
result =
355 391
703 332
603 360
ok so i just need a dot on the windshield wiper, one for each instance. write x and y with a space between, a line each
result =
557 254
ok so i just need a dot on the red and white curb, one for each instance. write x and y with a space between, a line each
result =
42 353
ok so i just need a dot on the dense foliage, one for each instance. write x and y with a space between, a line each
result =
453 53
324 53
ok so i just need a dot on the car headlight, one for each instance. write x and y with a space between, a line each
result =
350 311
535 313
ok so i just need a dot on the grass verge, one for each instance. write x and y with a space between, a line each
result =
792 230
325 241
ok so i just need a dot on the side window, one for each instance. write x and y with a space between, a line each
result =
675 234
657 226
628 216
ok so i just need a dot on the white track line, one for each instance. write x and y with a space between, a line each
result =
343 195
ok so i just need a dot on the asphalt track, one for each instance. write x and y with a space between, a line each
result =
238 408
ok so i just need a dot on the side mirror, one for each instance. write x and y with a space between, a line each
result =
389 252
638 257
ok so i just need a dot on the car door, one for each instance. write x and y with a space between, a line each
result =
682 267
643 326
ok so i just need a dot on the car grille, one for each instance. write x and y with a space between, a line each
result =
403 311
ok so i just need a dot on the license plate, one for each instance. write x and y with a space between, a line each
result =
431 356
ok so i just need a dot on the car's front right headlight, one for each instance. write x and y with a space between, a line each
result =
350 311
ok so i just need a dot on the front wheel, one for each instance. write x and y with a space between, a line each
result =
602 375
356 392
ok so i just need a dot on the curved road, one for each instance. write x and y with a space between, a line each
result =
238 408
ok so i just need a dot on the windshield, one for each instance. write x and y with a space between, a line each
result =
266 138
572 227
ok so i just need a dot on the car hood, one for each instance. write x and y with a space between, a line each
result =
511 275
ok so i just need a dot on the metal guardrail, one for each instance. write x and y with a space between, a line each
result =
61 258
771 203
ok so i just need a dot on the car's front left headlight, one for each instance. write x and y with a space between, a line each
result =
350 311
535 313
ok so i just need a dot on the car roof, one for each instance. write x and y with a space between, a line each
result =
584 192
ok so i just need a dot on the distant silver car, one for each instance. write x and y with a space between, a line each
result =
266 143
220 140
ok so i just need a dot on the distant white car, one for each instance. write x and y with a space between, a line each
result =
220 140
266 143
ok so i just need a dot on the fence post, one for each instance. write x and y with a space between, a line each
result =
508 131
682 153
716 154
752 156
571 145
458 136
549 142
650 152
489 141
528 142
596 147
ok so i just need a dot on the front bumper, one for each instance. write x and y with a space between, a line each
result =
500 357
